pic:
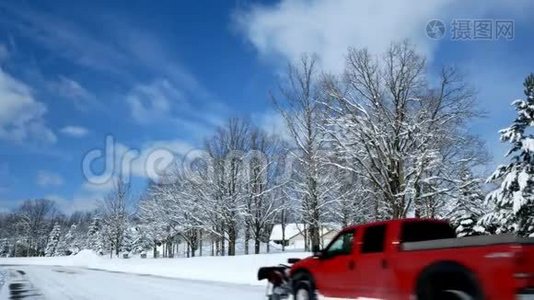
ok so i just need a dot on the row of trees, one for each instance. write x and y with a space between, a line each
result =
37 228
378 141
52 233
384 139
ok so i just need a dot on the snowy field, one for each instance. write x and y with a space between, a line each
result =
89 276
241 269
67 283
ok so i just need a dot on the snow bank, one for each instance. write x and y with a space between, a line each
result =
240 269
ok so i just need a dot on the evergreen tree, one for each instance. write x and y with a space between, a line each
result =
514 198
142 240
128 240
95 239
469 206
4 247
69 244
53 240
93 235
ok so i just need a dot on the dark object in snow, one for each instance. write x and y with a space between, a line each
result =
279 286
125 255
143 255
293 260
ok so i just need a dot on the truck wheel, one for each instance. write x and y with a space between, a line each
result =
448 281
304 290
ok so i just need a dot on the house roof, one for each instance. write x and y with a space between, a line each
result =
294 229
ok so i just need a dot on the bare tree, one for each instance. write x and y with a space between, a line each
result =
33 221
401 134
302 109
261 186
227 149
114 214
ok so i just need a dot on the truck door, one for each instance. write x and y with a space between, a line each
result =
335 273
372 267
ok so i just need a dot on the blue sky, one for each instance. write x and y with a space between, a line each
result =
164 74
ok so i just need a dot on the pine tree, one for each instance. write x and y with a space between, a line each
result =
69 244
128 240
142 240
469 206
93 235
53 240
514 199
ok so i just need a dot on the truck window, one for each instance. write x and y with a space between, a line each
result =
373 239
426 231
341 245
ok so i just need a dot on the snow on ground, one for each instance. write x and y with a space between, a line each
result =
241 269
65 283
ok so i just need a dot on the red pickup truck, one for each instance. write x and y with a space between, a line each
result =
411 259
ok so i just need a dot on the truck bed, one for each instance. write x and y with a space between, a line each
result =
473 241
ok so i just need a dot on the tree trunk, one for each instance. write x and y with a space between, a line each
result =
232 236
212 247
283 224
247 238
188 246
257 238
200 241
257 244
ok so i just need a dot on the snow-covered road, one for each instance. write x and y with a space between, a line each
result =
48 282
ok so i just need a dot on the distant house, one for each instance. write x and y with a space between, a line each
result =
294 235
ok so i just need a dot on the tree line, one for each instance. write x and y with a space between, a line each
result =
383 139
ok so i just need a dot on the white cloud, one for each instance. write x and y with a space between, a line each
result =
63 37
78 203
72 90
150 103
21 116
75 131
328 28
273 123
165 102
48 178
98 189
125 50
